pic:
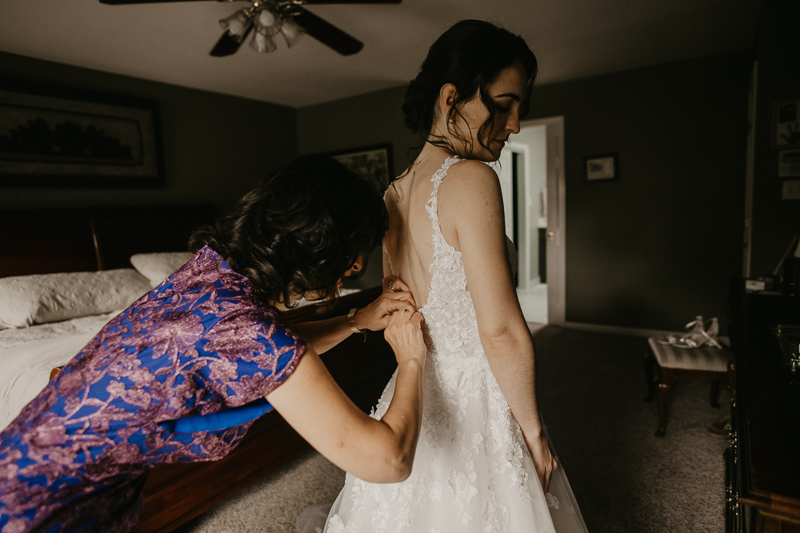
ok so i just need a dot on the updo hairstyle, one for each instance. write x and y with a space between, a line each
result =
300 229
469 55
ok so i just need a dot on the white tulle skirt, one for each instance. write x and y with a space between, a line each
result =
472 471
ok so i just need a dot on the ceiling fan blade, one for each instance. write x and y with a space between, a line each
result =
327 33
124 2
311 2
228 44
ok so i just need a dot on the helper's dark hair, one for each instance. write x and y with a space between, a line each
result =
469 55
300 229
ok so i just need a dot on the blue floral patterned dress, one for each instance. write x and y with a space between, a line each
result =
177 377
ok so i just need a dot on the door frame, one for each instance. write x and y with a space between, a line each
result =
556 217
522 220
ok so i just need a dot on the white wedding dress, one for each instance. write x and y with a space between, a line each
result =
472 471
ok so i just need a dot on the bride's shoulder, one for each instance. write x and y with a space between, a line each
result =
468 177
471 168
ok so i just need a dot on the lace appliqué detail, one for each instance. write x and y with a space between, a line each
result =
449 312
495 516
552 501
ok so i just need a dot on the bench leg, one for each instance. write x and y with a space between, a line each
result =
665 386
649 365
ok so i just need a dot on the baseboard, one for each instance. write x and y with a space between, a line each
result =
636 332
532 283
620 330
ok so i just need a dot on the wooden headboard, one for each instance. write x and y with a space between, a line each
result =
44 241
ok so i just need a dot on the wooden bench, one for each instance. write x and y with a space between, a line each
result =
673 363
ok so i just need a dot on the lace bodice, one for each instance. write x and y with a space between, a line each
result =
449 312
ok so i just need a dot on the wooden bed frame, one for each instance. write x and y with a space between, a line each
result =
74 240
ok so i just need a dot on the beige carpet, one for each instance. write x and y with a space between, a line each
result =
273 504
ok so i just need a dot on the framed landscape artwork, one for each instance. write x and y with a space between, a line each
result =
372 163
60 137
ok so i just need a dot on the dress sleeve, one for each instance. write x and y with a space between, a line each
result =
250 356
254 353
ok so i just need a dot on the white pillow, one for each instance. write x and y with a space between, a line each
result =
158 266
37 299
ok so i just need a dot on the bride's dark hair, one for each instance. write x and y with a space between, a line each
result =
469 55
300 229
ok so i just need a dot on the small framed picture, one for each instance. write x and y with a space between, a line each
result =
787 124
789 163
602 167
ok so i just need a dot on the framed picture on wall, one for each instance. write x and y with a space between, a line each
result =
602 167
372 163
787 124
789 163
61 137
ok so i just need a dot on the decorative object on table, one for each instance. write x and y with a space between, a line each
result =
269 18
60 137
602 167
372 163
786 132
763 283
697 336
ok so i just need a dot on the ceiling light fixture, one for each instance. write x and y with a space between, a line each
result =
268 18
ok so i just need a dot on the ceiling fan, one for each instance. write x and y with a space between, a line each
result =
269 18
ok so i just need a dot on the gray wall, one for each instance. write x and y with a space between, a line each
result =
365 120
215 147
660 244
775 221
657 246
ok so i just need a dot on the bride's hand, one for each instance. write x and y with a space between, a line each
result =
543 460
395 297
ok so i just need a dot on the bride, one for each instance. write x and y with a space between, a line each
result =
483 462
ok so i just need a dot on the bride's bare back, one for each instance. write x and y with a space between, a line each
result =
408 245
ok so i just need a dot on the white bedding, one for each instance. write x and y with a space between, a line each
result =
27 356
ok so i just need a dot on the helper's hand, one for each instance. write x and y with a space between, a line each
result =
395 297
543 460
404 335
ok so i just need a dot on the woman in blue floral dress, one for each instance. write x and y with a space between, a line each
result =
181 374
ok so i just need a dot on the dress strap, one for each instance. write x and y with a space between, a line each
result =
432 207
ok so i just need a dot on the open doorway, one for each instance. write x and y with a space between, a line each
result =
532 182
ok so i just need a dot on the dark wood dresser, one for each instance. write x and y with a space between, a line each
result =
763 460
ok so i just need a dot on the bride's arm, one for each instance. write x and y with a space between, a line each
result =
472 219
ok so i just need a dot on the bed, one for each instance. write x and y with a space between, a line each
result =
102 241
